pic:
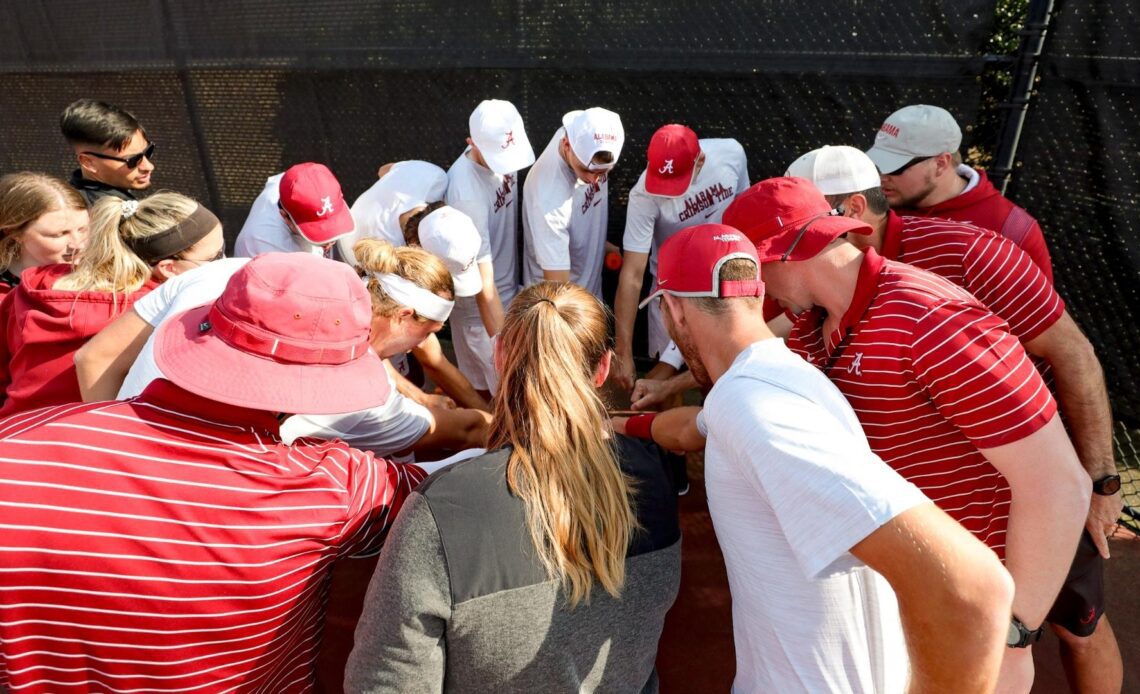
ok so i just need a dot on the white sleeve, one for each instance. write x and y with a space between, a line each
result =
671 355
477 211
384 430
155 306
549 226
742 175
640 221
826 487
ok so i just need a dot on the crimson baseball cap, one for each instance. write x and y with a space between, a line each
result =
788 219
690 261
289 333
311 196
672 156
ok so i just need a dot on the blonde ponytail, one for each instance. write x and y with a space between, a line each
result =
563 464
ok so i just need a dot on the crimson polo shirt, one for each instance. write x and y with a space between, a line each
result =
933 377
991 267
173 543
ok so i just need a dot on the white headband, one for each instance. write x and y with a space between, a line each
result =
412 295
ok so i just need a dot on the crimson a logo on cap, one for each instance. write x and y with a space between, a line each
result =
890 129
509 141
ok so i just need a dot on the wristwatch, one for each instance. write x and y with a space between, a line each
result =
1019 635
1107 485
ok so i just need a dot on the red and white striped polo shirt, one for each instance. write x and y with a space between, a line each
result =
989 266
933 377
174 544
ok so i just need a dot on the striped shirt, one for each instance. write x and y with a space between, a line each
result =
991 267
933 378
173 544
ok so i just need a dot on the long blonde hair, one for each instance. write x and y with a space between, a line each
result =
411 263
108 264
563 464
24 198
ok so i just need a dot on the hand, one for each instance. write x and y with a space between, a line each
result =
622 372
649 393
436 401
618 423
1016 675
1103 514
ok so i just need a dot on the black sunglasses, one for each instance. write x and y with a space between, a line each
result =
132 161
902 169
219 256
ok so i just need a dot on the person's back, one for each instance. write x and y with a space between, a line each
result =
508 626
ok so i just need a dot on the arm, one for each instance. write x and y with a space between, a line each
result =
454 430
556 275
400 643
674 430
490 306
1083 399
1050 500
104 361
414 393
625 314
649 392
954 598
444 374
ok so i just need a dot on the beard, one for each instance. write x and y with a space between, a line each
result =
692 357
917 195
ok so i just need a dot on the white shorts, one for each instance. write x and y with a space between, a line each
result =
474 354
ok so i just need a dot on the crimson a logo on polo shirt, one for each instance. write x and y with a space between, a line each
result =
856 365
502 193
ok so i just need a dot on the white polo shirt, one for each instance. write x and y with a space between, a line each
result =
407 185
264 230
792 486
490 201
564 221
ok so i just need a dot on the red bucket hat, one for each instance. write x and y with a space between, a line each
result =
288 334
788 219
690 262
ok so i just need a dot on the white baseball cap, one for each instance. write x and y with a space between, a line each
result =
497 130
594 130
912 132
452 237
836 170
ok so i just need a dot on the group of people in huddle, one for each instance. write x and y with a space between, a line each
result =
906 436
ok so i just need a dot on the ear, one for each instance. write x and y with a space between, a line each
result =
470 142
603 370
944 164
676 309
86 162
855 206
165 269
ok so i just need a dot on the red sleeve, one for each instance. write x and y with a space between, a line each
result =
1011 284
978 375
1021 228
378 490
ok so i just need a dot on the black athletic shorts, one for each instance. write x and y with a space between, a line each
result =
1080 603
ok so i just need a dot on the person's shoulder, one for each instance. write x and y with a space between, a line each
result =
722 147
915 290
474 479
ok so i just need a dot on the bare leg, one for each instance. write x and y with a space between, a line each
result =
1092 663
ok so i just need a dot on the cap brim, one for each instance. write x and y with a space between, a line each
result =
469 282
203 364
328 229
888 161
821 232
515 158
672 187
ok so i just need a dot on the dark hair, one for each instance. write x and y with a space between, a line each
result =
98 124
876 201
412 228
602 157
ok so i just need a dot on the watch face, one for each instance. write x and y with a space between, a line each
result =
1108 486
1013 636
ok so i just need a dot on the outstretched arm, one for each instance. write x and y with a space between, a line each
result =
444 374
102 364
625 314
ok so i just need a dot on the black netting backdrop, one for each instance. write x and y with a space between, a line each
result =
237 91
1080 175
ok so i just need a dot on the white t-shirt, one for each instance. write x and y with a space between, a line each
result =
792 486
393 426
564 221
489 200
181 293
264 230
377 211
651 219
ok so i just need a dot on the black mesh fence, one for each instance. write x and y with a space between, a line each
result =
237 91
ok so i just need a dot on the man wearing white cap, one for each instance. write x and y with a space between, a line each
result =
483 184
686 182
1006 281
916 150
302 209
566 200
